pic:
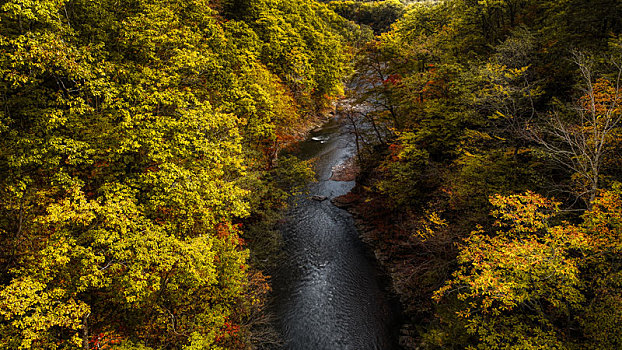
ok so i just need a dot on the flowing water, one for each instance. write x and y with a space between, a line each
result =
328 294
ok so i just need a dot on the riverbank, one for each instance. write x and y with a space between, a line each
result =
403 260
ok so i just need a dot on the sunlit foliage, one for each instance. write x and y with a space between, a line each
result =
135 137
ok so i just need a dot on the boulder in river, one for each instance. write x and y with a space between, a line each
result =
319 198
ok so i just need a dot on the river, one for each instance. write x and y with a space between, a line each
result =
328 294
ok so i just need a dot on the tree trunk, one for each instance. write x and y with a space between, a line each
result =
85 331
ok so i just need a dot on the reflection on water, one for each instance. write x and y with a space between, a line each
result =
328 296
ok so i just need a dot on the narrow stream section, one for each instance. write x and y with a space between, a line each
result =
327 289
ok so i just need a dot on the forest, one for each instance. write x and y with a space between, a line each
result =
493 196
143 178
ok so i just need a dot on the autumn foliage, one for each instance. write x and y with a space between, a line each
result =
135 139
487 111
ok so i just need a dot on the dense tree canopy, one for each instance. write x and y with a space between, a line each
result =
134 138
142 178
491 107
